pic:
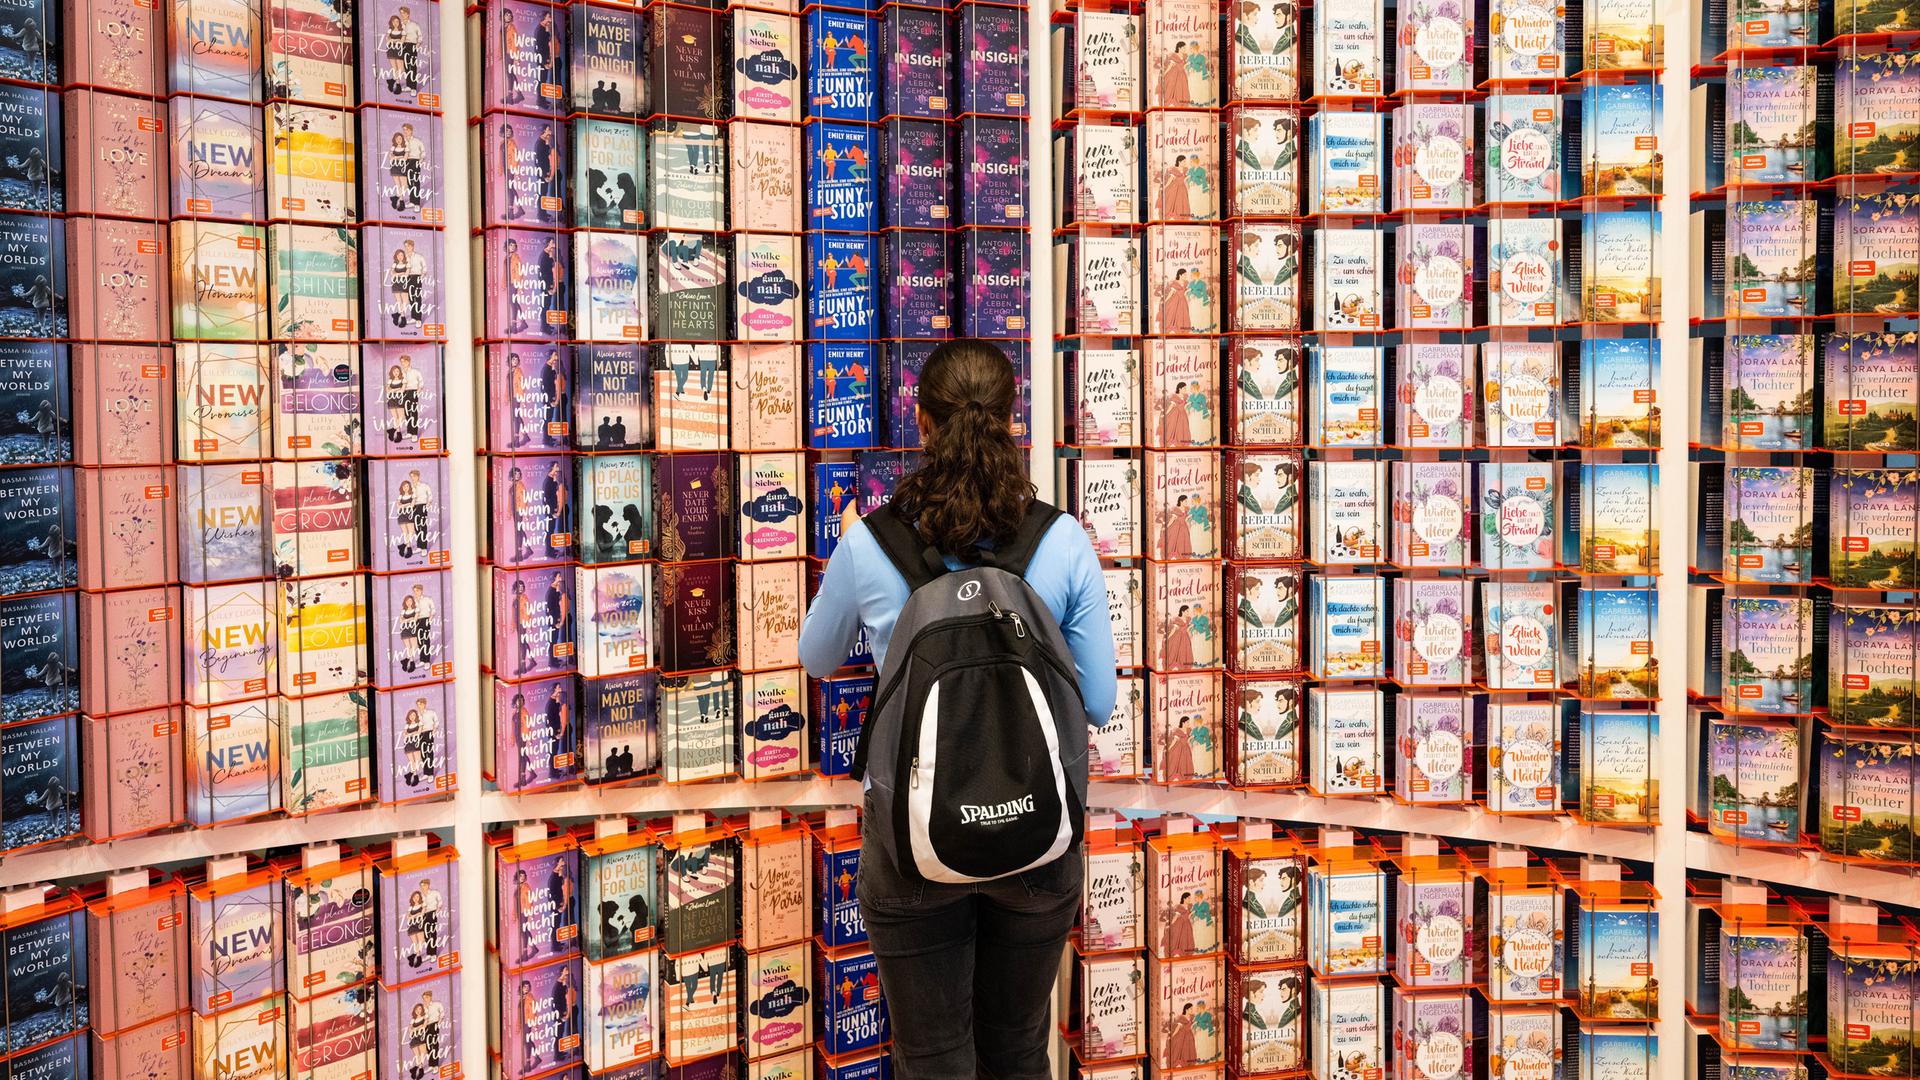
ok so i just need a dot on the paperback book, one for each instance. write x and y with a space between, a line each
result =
404 283
687 184
525 273
1768 642
1433 144
1267 510
1433 623
1352 624
1266 54
1346 404
1264 400
991 50
1619 519
1875 111
1523 777
312 154
766 56
1264 622
1769 524
1266 278
1530 44
1872 532
842 185
1523 130
1183 166
1619 400
1522 643
1614 656
1104 62
1525 276
1183 280
1266 145
1769 391
407 34
403 411
1349 505
1876 248
1438 379
1871 670
217 51
1620 267
1623 35
604 61
1754 779
1183 616
1349 53
609 173
1348 150
1773 130
1104 161
1866 800
1872 392
1183 56
1182 393
1104 495
1432 513
688 290
1771 258
1349 281
1619 133
917 170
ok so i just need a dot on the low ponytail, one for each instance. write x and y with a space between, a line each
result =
971 485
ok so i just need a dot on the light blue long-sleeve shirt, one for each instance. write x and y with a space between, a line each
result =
862 588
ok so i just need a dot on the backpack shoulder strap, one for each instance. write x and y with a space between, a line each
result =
1019 551
916 560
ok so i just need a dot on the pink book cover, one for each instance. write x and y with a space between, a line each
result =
773 724
137 958
407 518
116 45
333 1037
322 623
776 897
526 283
1183 280
766 177
125 519
160 1050
1183 393
1183 55
1185 717
132 640
1183 166
123 404
1183 504
1183 616
316 518
766 396
116 155
769 599
122 292
134 762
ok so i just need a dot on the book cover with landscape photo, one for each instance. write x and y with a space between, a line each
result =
1874 517
1872 392
1769 524
1768 641
1873 666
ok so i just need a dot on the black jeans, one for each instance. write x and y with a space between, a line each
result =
968 969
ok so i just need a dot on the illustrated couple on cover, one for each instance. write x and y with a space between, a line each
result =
406 166
401 44
539 405
1267 29
636 926
1183 1033
1188 401
420 740
546 738
405 383
1179 632
1187 514
426 1048
1186 190
532 58
423 924
1183 294
1190 740
1185 69
418 617
613 538
1279 708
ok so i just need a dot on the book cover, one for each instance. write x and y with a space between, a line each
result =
248 1042
315 524
611 401
1182 393
321 628
1614 657
1619 519
1183 505
216 49
238 944
122 296
1183 280
1432 514
404 282
1266 896
537 903
1102 389
524 58
1267 508
32 138
916 174
1348 147
1520 393
1874 110
414 748
1434 632
1619 133
1525 276
611 303
1769 524
766 176
776 886
682 64
40 642
616 493
1264 407
1435 48
311 150
690 411
1349 53
1105 162
1439 257
919 43
1350 281
405 413
411 638
621 897
1435 934
991 51
1873 253
1865 797
1768 642
772 510
765 397
309 55
1108 278
219 156
1186 1012
687 184
1183 906
115 45
1350 621
1348 913
842 298
314 292
1349 502
1523 777
1265 619
617 719
1620 267
994 285
1106 68
529 394
1754 770
618 632
536 497
328 928
38 531
1623 35
1183 616
1266 54
1763 985
1119 749
124 416
539 1014
694 610
920 269
1267 750
1266 155
840 705
1183 56
604 61
1433 145
1523 139
1872 391
1110 1003
1183 166
1771 261
766 69
1522 636
1115 900
841 81
38 421
219 283
222 522
131 516
233 764
699 902
1124 612
842 403
1266 278
621 1010
768 305
1436 391
993 171
132 642
1871 668
1619 403
843 189
1872 535
609 172
419 1026
1530 42
853 1011
1616 958
533 622
31 306
316 400
405 34
693 506
1104 495
773 719
1772 122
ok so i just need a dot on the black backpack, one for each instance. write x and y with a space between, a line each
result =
978 736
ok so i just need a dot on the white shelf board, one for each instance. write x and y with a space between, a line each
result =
655 799
1805 870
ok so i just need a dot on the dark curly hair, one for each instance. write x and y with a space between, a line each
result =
972 483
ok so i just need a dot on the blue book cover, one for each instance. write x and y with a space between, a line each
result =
30 40
993 171
38 546
994 284
67 1059
919 269
612 397
841 403
918 43
880 473
40 803
840 76
609 173
36 413
916 158
606 61
901 391
837 877
46 961
842 300
853 1011
33 275
842 190
993 59
840 706
30 146
39 657
620 737
834 485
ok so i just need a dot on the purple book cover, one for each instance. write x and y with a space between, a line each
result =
402 409
880 473
408 518
693 506
529 397
406 185
533 622
524 65
612 399
414 748
116 150
537 893
695 605
316 400
420 1029
403 282
400 53
620 735
533 502
901 391
534 737
540 1021
116 45
124 395
419 916
919 268
917 163
918 43
526 164
122 294
222 516
127 516
993 177
993 284
527 279
219 159
412 638
993 69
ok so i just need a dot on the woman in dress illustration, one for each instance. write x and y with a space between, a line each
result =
412 735
1180 767
1176 539
1176 937
394 45
398 169
417 1041
409 633
1173 79
403 516
1181 1051
396 402
1174 204
1173 423
1175 318
416 924
1179 641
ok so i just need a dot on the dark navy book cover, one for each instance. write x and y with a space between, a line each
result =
993 65
840 706
33 277
39 657
917 162
841 295
842 188
606 61
36 412
617 724
695 603
683 74
31 173
30 40
616 507
901 391
609 173
919 267
840 399
853 1011
880 473
37 544
46 960
693 506
835 484
840 75
994 284
993 177
837 880
918 43
612 398
67 1059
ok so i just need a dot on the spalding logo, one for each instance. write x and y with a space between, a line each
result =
971 813
970 590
